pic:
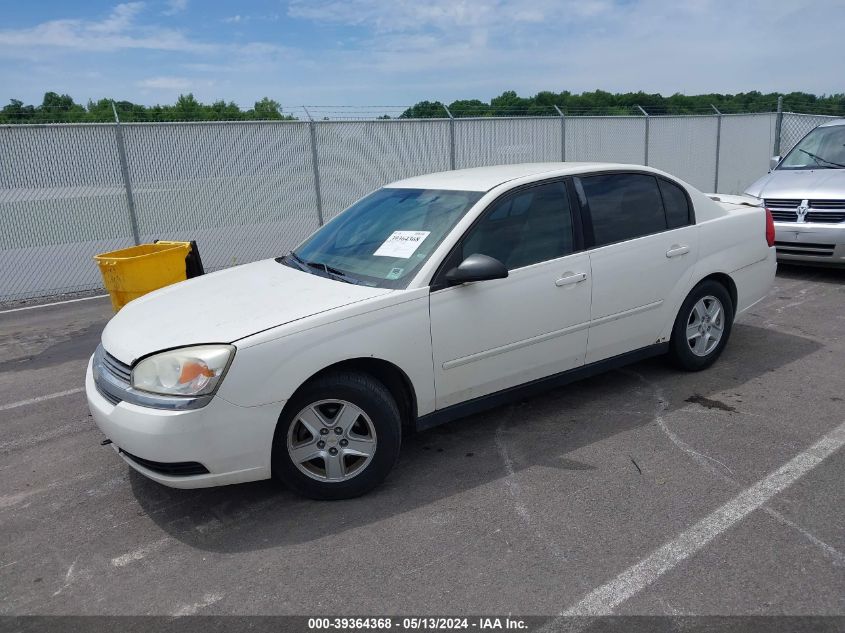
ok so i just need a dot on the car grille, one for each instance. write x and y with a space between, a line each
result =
826 217
171 469
780 215
119 375
780 203
805 248
820 211
827 204
116 368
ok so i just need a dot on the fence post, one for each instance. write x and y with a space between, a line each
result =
645 114
315 164
451 138
124 170
778 126
562 134
718 146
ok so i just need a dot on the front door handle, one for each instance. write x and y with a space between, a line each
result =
677 250
570 278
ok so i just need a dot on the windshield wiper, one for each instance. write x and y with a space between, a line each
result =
336 273
325 268
298 260
332 272
820 159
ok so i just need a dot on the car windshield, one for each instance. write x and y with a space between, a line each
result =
823 148
383 239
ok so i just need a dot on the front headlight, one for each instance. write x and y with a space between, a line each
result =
189 371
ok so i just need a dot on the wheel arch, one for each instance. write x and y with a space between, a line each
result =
390 375
679 348
719 277
728 282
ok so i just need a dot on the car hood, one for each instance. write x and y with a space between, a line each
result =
223 307
801 184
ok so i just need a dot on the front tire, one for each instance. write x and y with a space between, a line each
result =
338 437
702 327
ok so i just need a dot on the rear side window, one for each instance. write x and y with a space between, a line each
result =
623 206
676 203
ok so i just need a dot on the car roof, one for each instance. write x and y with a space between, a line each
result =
485 178
834 122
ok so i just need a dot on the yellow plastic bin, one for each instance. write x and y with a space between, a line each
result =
133 272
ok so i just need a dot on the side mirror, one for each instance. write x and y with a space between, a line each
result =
477 267
773 162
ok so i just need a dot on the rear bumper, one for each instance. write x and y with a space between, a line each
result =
232 443
810 242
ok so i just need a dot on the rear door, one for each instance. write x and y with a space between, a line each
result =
643 246
491 335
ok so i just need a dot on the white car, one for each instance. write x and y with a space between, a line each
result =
431 298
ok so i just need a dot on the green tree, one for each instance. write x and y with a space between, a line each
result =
266 110
469 107
59 108
56 107
425 110
187 108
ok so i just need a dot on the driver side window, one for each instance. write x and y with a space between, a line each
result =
530 226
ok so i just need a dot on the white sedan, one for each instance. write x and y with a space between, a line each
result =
429 299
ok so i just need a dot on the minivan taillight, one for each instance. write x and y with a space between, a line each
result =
770 228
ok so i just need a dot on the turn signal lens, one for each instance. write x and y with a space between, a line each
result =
193 370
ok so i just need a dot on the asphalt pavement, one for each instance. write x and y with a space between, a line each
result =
641 491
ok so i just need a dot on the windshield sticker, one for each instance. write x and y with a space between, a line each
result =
395 273
401 244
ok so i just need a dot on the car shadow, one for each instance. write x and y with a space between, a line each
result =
465 454
814 273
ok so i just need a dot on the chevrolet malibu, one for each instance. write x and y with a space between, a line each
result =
429 299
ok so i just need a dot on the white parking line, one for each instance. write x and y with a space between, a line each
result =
191 609
23 403
141 552
707 463
55 303
605 599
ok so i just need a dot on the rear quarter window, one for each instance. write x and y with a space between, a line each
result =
676 203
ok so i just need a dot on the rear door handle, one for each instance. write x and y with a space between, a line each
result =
677 250
571 278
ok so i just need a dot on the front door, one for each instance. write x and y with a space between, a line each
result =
491 335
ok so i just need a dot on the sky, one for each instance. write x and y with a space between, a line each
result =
398 52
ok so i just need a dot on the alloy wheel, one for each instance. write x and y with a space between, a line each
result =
331 440
705 325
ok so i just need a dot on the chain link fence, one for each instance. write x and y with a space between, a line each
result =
249 190
355 157
795 126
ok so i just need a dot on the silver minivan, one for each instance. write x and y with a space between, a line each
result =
805 192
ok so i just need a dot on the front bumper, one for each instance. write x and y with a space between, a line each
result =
233 443
810 242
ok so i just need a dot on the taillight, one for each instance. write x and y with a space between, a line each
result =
770 228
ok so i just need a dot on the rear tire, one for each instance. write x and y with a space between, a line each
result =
338 437
702 327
